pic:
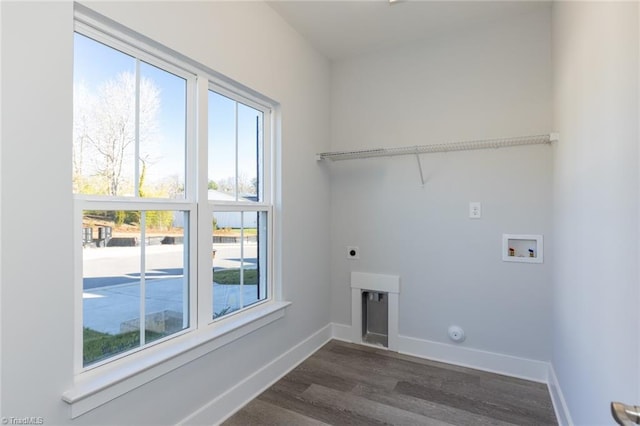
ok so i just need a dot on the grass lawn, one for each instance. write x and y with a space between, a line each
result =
232 276
98 346
234 232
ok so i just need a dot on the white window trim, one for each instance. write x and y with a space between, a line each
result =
208 207
98 385
114 39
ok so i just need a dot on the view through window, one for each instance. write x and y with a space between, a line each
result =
129 141
136 187
239 231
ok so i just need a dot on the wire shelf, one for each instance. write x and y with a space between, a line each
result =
443 147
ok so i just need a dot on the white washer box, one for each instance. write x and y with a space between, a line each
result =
389 284
525 248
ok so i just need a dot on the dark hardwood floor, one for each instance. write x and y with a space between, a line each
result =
347 384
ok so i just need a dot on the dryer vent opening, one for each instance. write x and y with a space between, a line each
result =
375 318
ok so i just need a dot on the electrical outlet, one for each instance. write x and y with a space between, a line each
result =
475 210
353 252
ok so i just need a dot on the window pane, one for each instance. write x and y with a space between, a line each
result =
222 148
125 108
133 279
239 260
235 150
111 283
104 119
249 145
166 284
163 98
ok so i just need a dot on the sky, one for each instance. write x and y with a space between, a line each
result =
96 63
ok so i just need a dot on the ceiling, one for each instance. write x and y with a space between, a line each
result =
343 29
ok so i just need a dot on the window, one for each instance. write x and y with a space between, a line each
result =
240 210
173 212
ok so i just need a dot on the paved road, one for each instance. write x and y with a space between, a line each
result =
112 283
121 265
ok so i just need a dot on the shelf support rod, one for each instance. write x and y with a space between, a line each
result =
422 181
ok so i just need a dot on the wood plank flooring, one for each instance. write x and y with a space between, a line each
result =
347 384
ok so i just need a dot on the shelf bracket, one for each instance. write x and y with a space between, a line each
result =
422 181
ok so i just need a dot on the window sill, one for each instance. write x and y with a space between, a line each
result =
93 388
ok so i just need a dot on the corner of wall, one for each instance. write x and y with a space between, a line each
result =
557 398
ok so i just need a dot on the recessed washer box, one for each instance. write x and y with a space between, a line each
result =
380 288
524 248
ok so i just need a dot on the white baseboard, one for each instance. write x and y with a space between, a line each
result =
508 365
225 405
523 368
557 398
341 332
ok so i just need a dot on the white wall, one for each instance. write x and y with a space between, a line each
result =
247 42
595 327
488 81
36 194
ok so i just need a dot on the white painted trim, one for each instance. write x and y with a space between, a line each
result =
97 22
563 415
341 332
492 362
356 315
227 404
375 282
97 387
393 341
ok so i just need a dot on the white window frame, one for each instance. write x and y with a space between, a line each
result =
263 205
84 202
103 381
